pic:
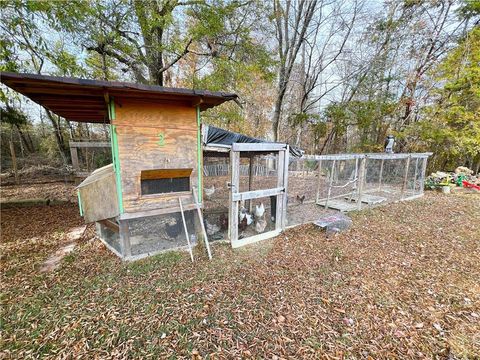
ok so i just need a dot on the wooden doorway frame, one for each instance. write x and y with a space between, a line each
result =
236 196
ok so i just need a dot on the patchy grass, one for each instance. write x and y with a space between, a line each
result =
402 283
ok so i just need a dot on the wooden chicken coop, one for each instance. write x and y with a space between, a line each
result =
149 199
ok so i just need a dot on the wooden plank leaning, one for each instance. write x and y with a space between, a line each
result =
200 216
185 228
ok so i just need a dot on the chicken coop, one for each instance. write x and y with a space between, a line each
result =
150 198
173 181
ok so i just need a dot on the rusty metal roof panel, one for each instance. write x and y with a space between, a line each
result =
83 100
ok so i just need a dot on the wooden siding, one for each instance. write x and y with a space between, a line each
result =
139 125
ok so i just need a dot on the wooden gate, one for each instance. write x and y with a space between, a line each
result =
252 149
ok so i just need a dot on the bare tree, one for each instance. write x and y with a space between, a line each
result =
292 21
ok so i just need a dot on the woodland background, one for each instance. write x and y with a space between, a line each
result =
328 76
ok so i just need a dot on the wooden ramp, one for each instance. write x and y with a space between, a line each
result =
349 203
368 199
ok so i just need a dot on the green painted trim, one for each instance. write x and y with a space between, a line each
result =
115 156
80 207
199 156
111 109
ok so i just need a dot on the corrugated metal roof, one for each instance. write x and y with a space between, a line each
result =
84 100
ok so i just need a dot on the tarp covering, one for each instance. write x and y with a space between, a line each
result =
216 136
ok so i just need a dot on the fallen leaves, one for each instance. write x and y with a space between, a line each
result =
393 286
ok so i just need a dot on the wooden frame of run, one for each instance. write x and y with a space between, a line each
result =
236 196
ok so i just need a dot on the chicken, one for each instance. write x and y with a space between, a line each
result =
173 228
301 199
242 225
211 229
260 225
223 222
259 210
242 213
209 191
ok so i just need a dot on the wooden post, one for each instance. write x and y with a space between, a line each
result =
280 172
361 180
250 179
319 180
415 176
332 174
185 228
285 185
14 161
422 174
124 233
405 177
74 156
381 175
234 182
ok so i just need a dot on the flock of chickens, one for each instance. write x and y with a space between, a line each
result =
256 217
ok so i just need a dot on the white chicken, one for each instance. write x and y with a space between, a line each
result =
259 210
243 213
209 191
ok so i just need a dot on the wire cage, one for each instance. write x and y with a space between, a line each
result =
255 172
322 184
349 182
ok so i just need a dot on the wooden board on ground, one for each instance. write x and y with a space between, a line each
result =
367 199
339 204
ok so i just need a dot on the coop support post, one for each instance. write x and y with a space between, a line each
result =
319 182
185 228
125 238
361 181
199 155
115 154
381 175
405 178
330 183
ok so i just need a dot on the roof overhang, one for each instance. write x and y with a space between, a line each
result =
85 100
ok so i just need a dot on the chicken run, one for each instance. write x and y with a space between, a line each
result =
317 186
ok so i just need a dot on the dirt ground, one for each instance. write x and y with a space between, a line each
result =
401 283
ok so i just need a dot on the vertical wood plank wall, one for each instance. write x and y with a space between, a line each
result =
139 125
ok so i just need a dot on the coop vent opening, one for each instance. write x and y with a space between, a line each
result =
165 181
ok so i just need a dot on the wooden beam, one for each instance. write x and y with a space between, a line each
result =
255 194
258 147
110 224
89 144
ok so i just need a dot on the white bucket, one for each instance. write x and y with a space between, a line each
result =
446 189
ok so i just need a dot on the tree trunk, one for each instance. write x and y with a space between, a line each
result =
58 137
